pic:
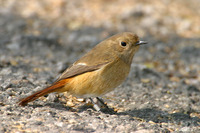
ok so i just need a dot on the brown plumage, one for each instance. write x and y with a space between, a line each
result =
99 71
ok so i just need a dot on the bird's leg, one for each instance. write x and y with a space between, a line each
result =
96 107
102 102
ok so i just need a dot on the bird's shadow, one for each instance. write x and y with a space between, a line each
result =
158 116
146 114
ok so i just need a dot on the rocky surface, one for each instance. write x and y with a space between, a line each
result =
39 39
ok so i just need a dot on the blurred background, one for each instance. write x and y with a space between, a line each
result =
61 31
40 38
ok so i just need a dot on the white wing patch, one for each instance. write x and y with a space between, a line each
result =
83 64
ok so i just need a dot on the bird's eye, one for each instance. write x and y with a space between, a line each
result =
123 44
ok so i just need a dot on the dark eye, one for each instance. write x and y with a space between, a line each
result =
123 44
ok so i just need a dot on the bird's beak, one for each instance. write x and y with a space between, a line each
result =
141 43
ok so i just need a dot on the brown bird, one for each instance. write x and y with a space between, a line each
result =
98 72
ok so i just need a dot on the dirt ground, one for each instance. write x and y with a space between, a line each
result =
40 38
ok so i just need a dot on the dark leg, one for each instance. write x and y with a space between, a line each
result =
96 107
102 102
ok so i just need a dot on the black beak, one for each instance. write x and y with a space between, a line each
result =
141 43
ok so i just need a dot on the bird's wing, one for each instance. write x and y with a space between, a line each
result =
80 68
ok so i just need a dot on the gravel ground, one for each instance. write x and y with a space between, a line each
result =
162 91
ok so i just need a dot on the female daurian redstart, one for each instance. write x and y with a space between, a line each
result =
99 71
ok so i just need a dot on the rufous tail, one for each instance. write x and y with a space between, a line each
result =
53 88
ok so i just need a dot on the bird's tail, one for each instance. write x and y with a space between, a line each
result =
53 88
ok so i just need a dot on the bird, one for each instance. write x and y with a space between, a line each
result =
98 72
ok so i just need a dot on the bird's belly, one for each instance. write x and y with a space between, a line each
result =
99 82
